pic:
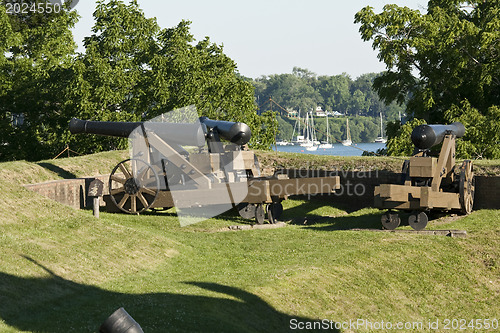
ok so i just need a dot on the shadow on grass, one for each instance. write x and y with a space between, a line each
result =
57 170
54 304
301 213
312 203
362 221
352 221
230 215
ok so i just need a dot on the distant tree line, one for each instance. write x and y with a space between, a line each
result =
303 91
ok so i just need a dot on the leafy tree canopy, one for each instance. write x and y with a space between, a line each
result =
131 70
303 91
444 59
35 54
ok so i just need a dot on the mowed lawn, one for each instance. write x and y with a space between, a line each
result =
62 270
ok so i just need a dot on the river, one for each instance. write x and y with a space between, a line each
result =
338 149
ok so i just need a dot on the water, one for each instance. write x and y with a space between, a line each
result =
337 150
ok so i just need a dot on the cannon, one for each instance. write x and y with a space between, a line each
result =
427 136
428 183
192 134
195 166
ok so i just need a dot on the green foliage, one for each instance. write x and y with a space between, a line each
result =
266 132
35 57
482 135
285 129
453 48
441 59
131 70
303 91
399 141
289 89
142 73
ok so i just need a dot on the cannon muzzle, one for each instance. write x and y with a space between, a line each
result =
427 136
236 132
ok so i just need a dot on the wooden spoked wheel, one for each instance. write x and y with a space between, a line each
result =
133 186
466 187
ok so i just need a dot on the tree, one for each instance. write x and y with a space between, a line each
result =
482 138
134 70
358 104
201 74
131 70
399 141
112 79
441 59
334 91
303 90
36 52
285 129
293 91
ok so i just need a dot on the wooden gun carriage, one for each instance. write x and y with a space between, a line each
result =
429 183
162 174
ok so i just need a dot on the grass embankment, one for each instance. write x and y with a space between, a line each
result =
61 270
273 159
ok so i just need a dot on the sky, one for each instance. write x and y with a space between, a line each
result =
267 37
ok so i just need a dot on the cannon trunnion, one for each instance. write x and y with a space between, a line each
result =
429 183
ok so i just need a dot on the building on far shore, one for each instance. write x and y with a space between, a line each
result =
320 112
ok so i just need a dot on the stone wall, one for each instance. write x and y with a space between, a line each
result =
356 188
71 192
487 195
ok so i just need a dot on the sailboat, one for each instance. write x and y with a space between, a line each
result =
309 134
347 141
312 148
313 131
326 145
306 142
299 139
381 139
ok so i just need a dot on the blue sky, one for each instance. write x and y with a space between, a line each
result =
273 36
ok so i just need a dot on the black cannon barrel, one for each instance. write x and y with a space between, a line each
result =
236 132
107 128
181 134
427 136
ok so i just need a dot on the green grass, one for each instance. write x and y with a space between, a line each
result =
64 271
